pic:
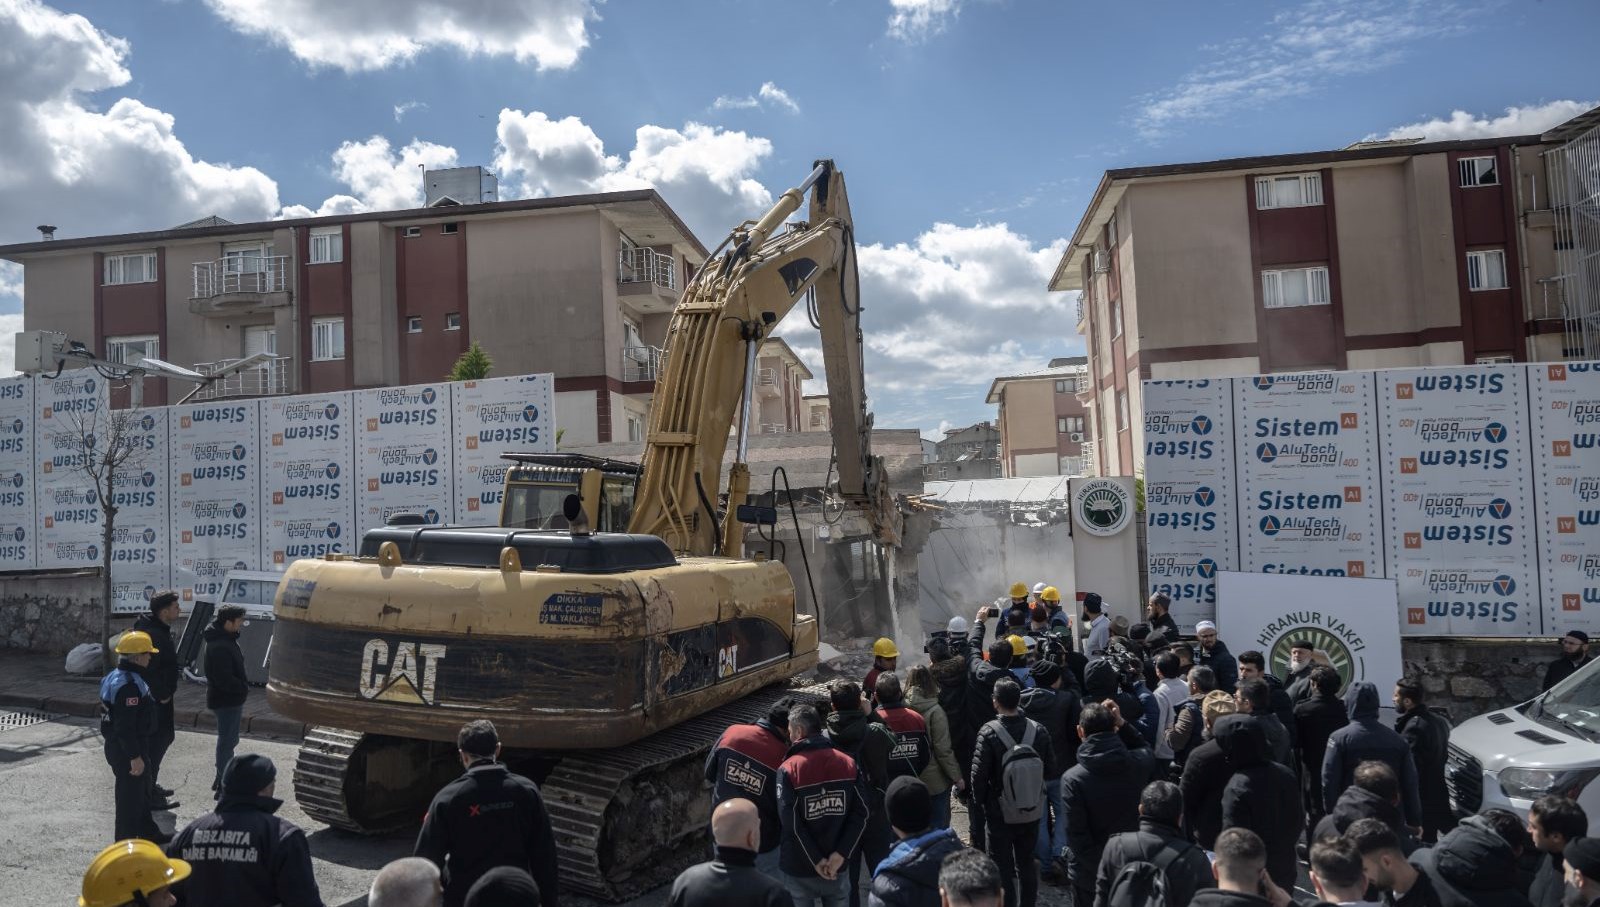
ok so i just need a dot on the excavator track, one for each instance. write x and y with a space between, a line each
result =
368 783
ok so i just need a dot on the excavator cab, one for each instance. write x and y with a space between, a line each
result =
537 486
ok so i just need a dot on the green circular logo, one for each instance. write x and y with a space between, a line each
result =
1338 653
1103 506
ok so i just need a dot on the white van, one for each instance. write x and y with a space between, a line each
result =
1547 745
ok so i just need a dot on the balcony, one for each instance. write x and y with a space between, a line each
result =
774 428
265 380
235 286
647 280
642 363
769 383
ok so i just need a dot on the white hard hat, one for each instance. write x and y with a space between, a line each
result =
958 624
1030 642
1039 588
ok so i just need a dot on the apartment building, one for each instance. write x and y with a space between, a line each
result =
1043 424
817 411
1382 254
580 286
779 408
969 452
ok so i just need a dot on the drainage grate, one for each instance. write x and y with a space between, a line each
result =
10 721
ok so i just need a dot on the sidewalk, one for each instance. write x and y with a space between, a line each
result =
33 681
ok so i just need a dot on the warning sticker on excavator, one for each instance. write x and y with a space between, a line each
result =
572 609
297 593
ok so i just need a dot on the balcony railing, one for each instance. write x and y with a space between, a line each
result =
774 428
646 266
642 363
265 380
267 274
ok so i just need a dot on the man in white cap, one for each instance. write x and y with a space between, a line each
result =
1214 654
956 635
1038 590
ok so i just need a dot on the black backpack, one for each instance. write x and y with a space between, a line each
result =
1143 883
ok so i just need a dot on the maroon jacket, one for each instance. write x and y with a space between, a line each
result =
744 763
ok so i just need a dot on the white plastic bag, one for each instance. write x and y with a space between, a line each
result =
84 659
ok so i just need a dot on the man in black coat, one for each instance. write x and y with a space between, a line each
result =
1473 866
1056 708
1366 737
488 817
1161 620
1101 793
1010 843
242 855
1214 654
1242 878
1160 841
1253 664
1263 796
909 875
1553 823
1205 775
1374 794
162 675
1428 734
1315 719
1400 881
227 687
1254 698
981 678
127 724
1574 655
732 879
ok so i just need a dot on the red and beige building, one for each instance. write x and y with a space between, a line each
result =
1044 425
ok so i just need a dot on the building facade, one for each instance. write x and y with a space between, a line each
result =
1383 254
580 286
1043 424
779 408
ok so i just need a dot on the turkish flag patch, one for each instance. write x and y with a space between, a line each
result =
131 700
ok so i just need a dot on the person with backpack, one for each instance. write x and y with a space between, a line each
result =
1056 709
1101 793
913 750
1008 775
982 674
1188 728
1156 866
943 771
862 735
909 875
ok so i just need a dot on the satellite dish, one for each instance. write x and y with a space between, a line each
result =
169 370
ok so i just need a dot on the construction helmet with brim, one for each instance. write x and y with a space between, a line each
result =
884 648
135 642
1019 590
1051 594
129 871
1019 646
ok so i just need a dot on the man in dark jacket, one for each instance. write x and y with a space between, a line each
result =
856 729
1241 872
732 879
1472 866
1011 844
820 797
1553 823
949 669
744 764
1205 776
1160 841
1373 794
1214 654
1297 682
1574 655
1056 709
981 678
1188 728
242 855
1160 616
1254 698
1101 793
909 875
1315 720
1400 881
227 687
488 817
1253 664
1365 737
1428 734
162 675
127 724
1263 796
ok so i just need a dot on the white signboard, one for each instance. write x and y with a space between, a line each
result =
308 499
1310 499
1565 411
141 548
493 417
403 462
1458 500
215 462
72 411
17 498
1271 611
1190 497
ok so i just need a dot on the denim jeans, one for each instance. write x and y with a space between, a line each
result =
941 809
227 737
1052 832
815 890
767 864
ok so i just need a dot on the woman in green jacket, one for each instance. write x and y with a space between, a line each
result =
943 771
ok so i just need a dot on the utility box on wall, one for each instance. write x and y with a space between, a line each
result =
1105 543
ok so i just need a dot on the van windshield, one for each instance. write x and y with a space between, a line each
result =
1573 703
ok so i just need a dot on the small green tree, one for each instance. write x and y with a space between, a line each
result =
473 365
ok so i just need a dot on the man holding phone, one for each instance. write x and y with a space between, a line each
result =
1241 870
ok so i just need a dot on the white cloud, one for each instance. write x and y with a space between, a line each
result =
729 102
768 94
778 97
87 171
400 110
1530 120
379 179
358 35
9 326
1298 53
916 20
706 174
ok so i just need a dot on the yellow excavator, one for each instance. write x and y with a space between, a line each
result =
609 661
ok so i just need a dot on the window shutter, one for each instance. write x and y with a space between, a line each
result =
1319 286
1313 188
1271 289
1263 193
1474 271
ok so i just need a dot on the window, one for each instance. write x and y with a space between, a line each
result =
1061 387
1111 231
413 232
1486 270
1069 425
140 267
635 428
1294 287
452 321
260 338
1295 190
243 258
1501 359
449 228
327 245
1122 410
414 324
129 350
1477 171
1116 318
327 339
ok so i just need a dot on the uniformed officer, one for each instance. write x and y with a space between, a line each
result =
488 817
242 855
131 873
128 723
162 676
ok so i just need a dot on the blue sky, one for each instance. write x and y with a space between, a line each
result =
972 131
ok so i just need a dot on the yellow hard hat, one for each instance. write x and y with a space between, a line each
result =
1019 590
1019 646
884 648
127 868
1050 594
135 642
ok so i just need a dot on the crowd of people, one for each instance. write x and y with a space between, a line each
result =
1130 767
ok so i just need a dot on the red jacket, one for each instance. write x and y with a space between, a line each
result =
744 763
912 749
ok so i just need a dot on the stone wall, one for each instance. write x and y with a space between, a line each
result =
1472 676
50 610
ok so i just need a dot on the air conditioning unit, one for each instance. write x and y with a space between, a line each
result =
1076 437
1102 261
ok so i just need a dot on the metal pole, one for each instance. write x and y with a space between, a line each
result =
749 394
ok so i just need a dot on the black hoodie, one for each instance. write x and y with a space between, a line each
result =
1262 796
909 875
1364 738
226 683
1057 710
1357 803
1472 866
244 856
1101 796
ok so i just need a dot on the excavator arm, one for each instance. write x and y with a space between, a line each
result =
761 272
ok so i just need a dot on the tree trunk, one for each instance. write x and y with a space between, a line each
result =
108 514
